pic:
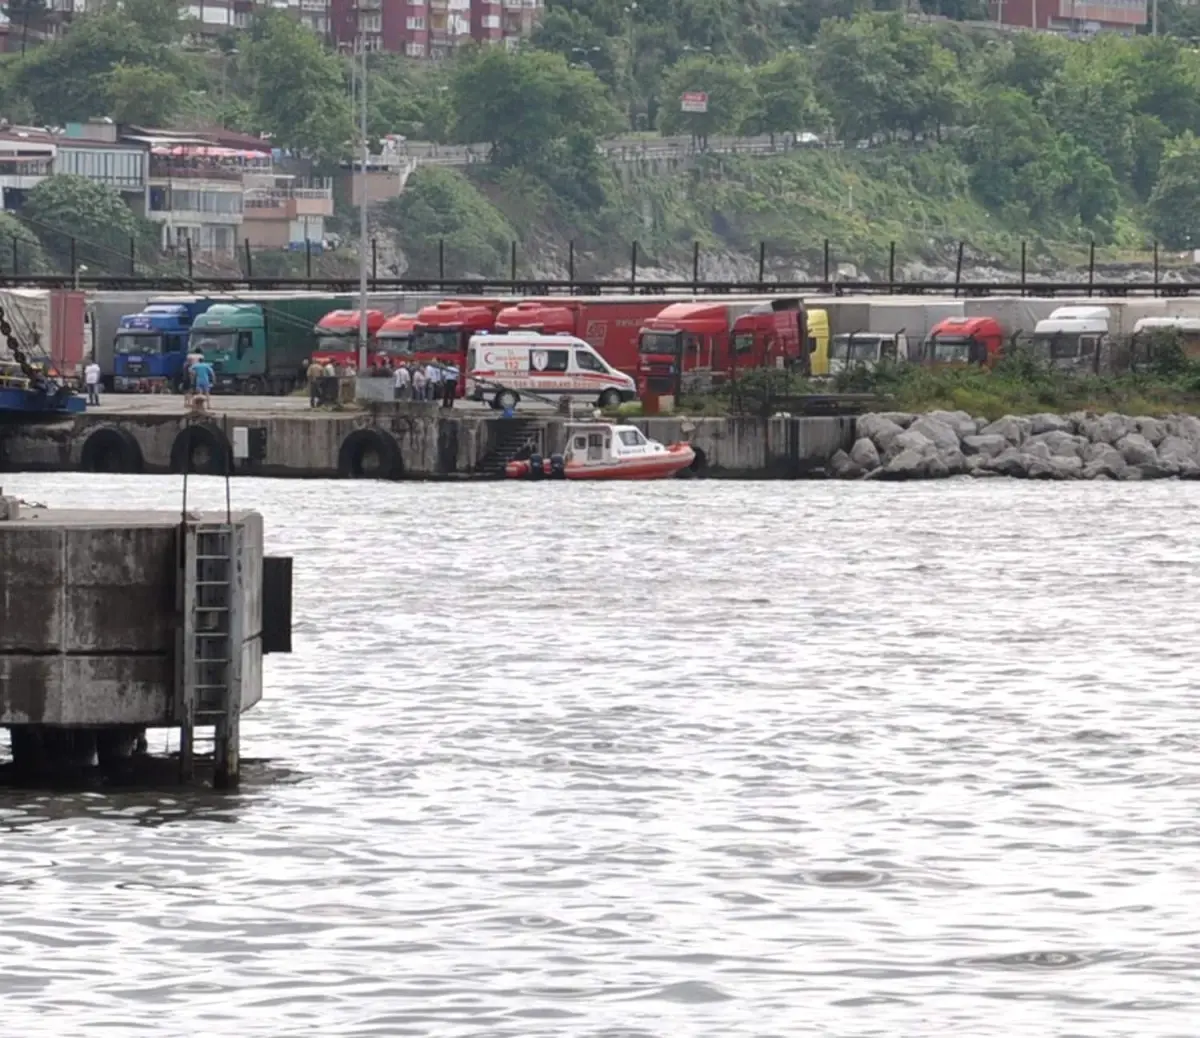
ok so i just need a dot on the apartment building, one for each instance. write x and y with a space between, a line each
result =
431 28
1073 16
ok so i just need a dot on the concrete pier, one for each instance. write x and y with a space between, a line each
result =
395 441
115 622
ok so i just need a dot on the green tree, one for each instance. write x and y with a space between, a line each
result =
142 95
580 41
1008 149
31 257
786 99
441 205
730 90
1174 205
64 207
857 75
301 93
67 80
522 103
1091 100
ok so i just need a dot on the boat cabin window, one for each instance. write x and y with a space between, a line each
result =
595 446
580 443
586 361
549 360
632 438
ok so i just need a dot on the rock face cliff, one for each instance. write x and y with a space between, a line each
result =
898 446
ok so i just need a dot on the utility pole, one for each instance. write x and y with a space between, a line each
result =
1154 19
362 212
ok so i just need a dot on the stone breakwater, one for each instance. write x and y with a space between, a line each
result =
939 444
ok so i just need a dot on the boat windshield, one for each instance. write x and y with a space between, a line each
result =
631 437
137 342
659 342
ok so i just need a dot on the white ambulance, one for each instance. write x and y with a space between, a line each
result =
500 368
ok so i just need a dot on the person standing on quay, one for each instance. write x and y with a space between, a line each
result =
401 382
91 376
315 373
433 381
449 385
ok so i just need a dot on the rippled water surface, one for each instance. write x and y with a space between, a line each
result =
706 759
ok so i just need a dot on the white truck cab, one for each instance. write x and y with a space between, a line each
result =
502 368
866 350
1073 336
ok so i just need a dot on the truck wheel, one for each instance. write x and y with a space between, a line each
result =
111 450
505 399
370 454
253 387
610 398
200 449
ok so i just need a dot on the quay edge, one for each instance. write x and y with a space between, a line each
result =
397 442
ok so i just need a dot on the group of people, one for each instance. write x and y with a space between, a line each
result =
431 382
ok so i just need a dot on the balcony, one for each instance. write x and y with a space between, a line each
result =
192 169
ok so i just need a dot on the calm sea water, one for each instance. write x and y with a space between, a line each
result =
685 759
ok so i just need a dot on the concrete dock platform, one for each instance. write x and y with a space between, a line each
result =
284 437
115 622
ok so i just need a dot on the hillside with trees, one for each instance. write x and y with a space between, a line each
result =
944 130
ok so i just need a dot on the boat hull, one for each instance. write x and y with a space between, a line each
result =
659 465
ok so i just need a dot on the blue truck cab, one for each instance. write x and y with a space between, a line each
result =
150 346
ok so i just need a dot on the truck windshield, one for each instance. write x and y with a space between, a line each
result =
396 345
335 343
659 342
950 349
1063 345
436 340
858 347
212 341
137 342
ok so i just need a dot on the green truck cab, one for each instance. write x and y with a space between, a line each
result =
261 346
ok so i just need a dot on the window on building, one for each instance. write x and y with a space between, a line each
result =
415 50
417 22
491 21
370 21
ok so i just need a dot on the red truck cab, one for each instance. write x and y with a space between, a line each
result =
723 337
337 336
443 330
964 340
395 337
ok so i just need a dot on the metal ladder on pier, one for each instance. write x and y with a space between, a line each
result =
209 682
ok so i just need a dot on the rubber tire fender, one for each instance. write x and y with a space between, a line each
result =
362 441
193 436
111 449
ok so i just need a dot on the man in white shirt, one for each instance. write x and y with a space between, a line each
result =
433 380
401 382
91 376
449 385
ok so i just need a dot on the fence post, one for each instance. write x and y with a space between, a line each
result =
15 255
633 266
571 263
1091 266
249 258
441 259
891 267
762 263
825 278
695 266
374 262
308 260
958 269
1022 266
188 242
1156 268
132 256
74 266
512 261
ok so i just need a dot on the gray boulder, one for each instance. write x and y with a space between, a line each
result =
1059 443
1014 430
900 418
1109 428
1102 460
1009 463
1136 449
1036 449
910 463
936 431
879 429
1152 429
841 467
1178 452
1158 470
1056 467
987 444
910 439
1186 427
961 422
1130 474
1044 423
864 454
